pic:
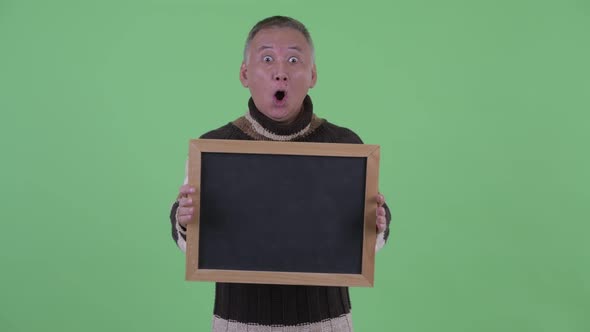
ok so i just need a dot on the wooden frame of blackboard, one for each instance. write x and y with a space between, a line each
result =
371 154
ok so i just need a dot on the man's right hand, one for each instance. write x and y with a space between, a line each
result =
184 213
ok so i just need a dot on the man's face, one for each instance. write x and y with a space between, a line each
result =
279 70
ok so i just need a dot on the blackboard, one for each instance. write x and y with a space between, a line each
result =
282 212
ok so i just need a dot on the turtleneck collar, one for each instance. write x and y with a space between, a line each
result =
301 122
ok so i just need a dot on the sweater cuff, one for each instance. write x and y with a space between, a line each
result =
380 241
178 231
181 229
384 236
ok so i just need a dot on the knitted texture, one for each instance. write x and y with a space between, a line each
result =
288 308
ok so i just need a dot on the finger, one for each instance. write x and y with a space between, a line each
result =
380 199
185 201
381 211
182 211
186 190
183 220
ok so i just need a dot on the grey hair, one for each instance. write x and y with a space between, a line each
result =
278 22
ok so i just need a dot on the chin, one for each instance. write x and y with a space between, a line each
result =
275 113
279 116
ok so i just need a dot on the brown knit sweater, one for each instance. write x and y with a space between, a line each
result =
256 307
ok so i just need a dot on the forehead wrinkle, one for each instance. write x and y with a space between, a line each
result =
264 47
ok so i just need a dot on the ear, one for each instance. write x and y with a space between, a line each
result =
314 76
243 75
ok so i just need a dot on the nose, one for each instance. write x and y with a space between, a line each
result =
280 77
280 74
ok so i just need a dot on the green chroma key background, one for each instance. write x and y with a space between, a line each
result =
480 107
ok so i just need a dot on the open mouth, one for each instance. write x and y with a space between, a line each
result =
280 95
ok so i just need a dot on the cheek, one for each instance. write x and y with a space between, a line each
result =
258 74
258 84
256 80
301 77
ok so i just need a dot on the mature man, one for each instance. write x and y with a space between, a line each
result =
278 69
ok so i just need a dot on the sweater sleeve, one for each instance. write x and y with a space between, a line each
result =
383 237
178 231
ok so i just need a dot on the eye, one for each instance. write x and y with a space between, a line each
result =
293 59
267 58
